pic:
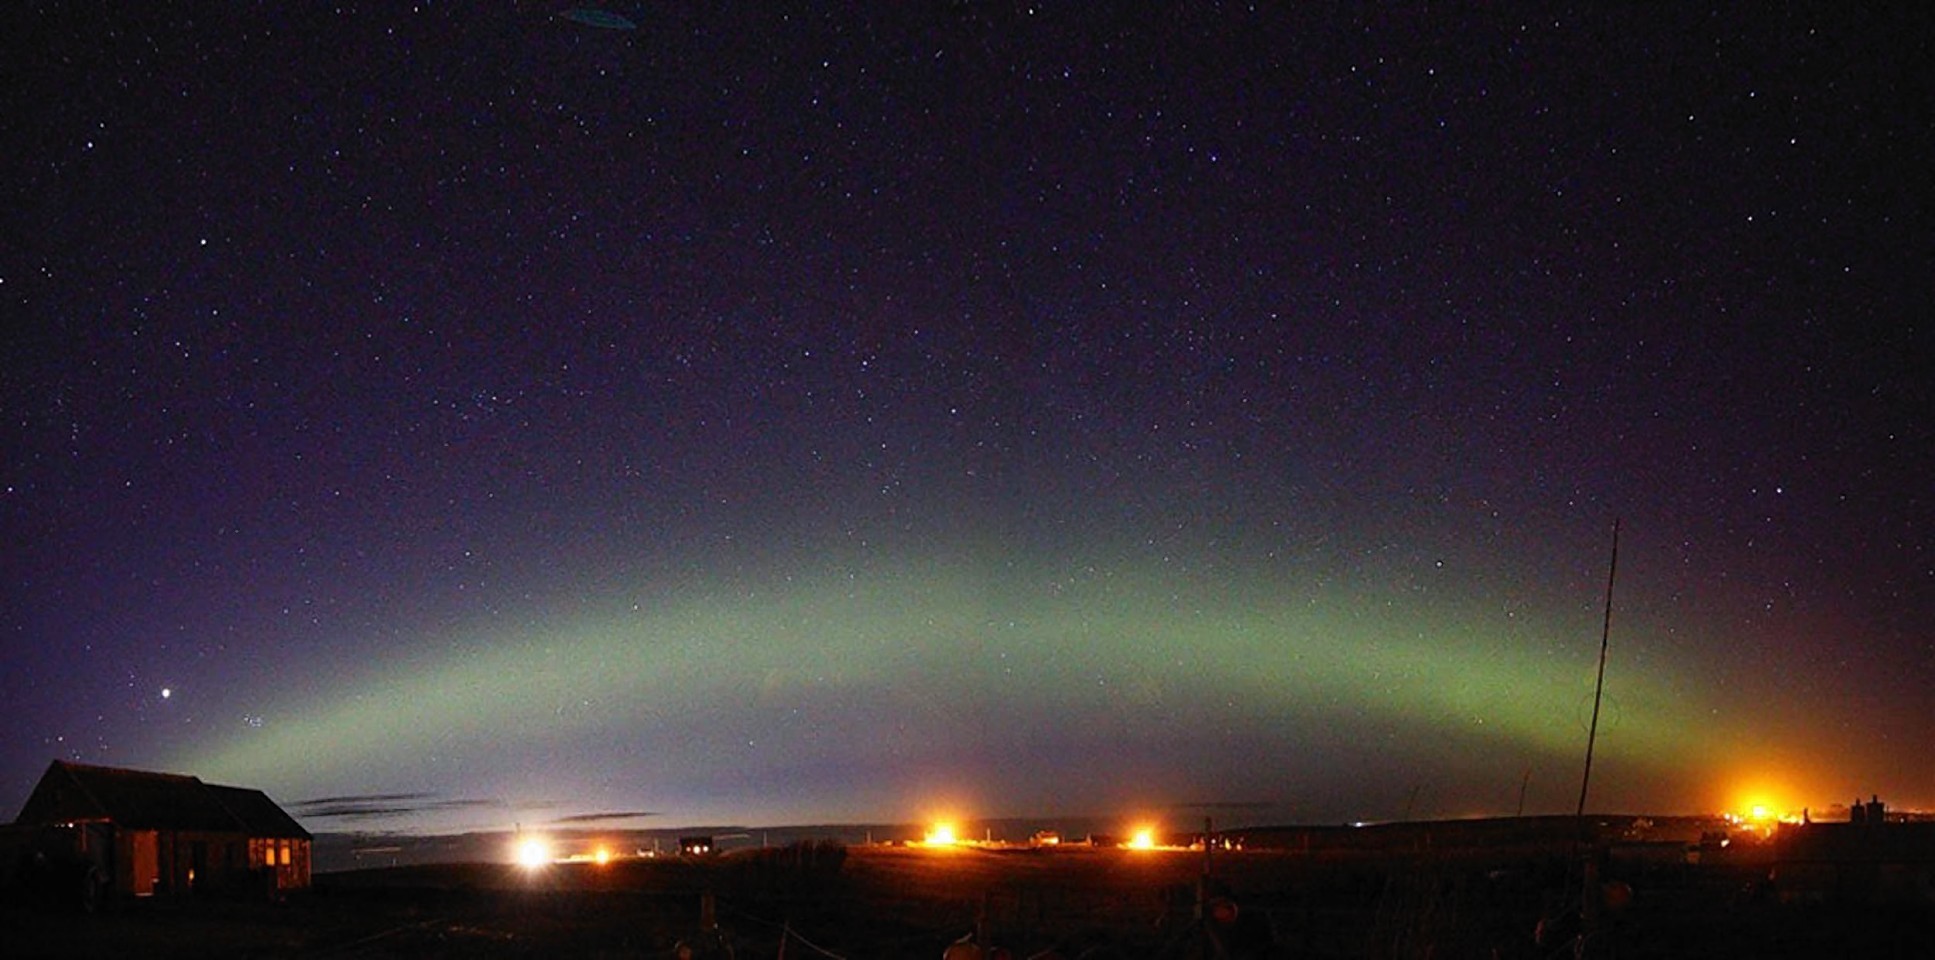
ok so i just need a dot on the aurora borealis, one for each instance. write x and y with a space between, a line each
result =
768 416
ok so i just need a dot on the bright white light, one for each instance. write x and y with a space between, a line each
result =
533 852
1144 839
941 836
166 693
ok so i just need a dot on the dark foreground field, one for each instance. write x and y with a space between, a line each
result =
881 902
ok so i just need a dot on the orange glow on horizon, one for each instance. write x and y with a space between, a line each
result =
1764 802
942 835
1144 838
1784 777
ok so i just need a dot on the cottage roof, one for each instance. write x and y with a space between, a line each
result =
260 816
142 800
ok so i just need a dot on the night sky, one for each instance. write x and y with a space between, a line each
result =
782 413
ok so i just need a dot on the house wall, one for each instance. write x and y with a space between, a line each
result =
287 858
295 876
168 862
208 862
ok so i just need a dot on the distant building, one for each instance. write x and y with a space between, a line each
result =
1868 859
135 833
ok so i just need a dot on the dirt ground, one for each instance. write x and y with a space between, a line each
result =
899 902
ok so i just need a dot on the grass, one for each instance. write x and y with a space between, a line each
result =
896 902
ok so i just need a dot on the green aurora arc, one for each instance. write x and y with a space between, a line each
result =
908 671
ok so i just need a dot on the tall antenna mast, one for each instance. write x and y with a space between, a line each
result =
1599 687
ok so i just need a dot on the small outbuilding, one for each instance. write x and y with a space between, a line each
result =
136 833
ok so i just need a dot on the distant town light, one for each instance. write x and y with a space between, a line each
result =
603 856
